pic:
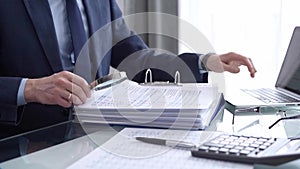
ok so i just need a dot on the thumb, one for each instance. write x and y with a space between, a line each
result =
231 68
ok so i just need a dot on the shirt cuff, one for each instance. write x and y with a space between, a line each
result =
21 99
203 61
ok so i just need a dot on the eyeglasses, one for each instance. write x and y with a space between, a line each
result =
286 113
284 118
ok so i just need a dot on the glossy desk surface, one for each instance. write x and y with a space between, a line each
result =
61 145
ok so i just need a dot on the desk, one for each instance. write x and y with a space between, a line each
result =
56 149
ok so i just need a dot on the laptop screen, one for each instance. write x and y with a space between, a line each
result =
289 76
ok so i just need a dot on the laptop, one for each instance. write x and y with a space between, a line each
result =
286 90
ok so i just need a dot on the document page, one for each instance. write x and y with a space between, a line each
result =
124 151
130 95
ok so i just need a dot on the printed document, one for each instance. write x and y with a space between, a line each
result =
130 95
188 106
124 151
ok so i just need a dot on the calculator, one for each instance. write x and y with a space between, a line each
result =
249 149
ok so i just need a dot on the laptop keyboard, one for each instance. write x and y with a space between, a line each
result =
270 96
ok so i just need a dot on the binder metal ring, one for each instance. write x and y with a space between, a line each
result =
161 83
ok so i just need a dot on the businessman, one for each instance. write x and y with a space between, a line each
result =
40 42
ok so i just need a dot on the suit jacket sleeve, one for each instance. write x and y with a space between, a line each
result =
8 100
131 54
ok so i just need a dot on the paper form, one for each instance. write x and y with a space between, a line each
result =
130 95
123 151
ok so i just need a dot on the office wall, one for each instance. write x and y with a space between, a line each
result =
130 7
254 28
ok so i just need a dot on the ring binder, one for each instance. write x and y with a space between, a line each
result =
157 104
161 83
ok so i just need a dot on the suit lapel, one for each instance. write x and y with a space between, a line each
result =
40 13
98 14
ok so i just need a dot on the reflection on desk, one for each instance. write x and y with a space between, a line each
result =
62 151
57 146
30 142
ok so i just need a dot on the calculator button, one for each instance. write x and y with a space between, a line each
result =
228 146
252 138
258 142
263 139
254 145
240 141
225 142
244 138
220 138
234 143
244 152
267 144
250 148
234 151
213 145
215 141
229 139
203 148
262 147
224 136
223 150
244 144
249 141
239 147
214 149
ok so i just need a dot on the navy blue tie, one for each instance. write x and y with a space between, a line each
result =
76 26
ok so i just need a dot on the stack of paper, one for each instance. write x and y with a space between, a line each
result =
190 106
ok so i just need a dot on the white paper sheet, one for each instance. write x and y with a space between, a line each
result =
123 151
130 95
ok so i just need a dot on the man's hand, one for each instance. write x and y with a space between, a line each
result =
63 88
229 62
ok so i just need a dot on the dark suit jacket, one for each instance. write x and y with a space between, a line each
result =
29 48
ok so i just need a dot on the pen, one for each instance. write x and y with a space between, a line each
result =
109 84
108 80
170 143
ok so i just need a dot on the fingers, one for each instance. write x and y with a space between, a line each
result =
63 88
93 84
251 68
76 88
80 85
232 62
62 101
232 68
